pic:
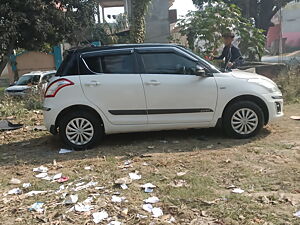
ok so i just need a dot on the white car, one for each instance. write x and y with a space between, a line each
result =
30 82
148 87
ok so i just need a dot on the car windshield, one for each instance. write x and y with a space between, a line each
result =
28 79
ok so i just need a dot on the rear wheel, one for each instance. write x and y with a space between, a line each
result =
243 119
81 130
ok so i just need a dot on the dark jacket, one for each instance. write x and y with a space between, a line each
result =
231 54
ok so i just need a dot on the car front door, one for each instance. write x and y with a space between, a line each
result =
174 94
110 81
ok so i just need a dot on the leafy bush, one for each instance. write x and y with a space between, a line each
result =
13 106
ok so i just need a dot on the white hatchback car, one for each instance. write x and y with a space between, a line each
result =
147 87
29 83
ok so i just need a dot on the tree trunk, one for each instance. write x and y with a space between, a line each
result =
137 20
6 56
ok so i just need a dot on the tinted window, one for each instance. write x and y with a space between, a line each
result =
69 65
120 64
167 63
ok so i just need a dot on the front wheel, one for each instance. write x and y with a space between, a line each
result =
80 130
243 119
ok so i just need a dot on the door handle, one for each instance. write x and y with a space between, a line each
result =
153 82
92 83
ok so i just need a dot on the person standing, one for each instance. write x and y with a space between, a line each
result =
232 54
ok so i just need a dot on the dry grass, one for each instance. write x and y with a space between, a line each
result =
266 167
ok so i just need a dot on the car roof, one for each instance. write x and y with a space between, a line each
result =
119 46
40 73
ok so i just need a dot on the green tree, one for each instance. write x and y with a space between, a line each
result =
204 29
137 20
261 11
32 25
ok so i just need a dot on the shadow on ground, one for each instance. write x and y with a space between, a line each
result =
45 149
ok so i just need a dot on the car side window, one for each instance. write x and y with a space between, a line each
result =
167 63
111 64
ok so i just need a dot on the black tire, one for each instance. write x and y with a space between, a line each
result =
95 124
233 110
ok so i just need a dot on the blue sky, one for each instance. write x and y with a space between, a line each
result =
182 6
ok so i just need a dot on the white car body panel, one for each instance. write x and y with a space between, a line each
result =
172 91
116 92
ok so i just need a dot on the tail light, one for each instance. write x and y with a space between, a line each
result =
55 86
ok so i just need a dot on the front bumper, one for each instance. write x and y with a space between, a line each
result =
274 103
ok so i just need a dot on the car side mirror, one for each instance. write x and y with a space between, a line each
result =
200 71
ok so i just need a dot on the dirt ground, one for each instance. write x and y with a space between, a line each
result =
195 172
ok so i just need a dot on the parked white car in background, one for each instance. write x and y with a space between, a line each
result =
133 88
29 83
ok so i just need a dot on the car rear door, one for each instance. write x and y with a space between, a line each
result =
110 81
174 94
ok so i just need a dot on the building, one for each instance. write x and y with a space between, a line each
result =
286 30
158 18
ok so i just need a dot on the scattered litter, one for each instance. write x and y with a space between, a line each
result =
171 220
297 214
14 181
41 175
90 184
79 184
151 147
148 207
15 191
157 212
124 212
64 151
148 185
33 193
237 191
6 125
114 223
37 206
295 117
88 168
26 185
118 199
88 200
163 141
135 176
231 186
209 146
99 216
140 216
39 128
99 188
180 174
80 207
178 183
151 200
57 176
145 164
124 180
63 179
148 188
71 199
41 169
124 186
